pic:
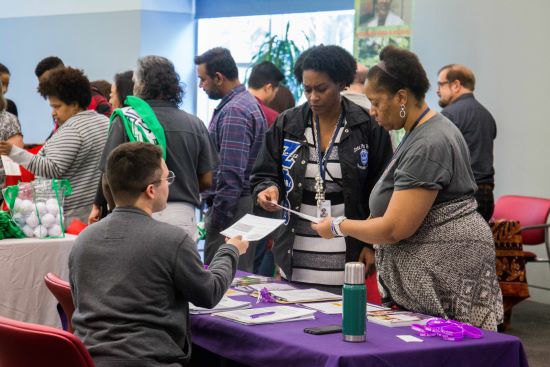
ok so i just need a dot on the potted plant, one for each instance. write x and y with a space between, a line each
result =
282 52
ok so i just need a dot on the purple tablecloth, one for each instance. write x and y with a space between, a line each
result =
285 345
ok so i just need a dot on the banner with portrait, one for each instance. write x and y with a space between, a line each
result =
379 23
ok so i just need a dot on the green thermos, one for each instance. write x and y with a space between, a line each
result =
354 295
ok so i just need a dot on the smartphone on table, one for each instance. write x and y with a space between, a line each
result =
321 330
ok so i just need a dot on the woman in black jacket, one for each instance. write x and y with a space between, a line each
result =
320 158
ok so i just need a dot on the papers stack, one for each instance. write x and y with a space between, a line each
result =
250 279
393 318
304 295
334 308
226 304
267 315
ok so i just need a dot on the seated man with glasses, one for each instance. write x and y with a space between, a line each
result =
132 277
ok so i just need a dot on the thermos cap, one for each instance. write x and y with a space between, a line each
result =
354 273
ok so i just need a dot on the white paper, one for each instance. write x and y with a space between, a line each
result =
305 295
301 215
10 167
225 304
334 308
272 287
410 338
281 314
252 227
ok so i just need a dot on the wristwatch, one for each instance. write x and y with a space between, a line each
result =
335 226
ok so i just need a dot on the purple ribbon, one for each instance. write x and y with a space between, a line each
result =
447 329
265 297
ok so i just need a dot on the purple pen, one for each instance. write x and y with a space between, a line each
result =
256 315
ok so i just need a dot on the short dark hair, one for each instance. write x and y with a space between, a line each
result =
124 85
132 166
156 78
283 100
333 60
48 63
4 69
461 73
265 73
218 60
69 85
102 86
399 69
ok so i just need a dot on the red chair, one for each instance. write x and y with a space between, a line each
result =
30 345
532 214
62 292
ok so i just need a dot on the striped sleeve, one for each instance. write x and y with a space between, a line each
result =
58 154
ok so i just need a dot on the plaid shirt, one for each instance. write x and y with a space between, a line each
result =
237 130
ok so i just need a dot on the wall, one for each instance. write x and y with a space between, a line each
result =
506 44
102 37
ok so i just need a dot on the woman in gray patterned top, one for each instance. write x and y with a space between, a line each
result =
435 253
74 150
10 129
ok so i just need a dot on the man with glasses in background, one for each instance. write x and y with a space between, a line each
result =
455 87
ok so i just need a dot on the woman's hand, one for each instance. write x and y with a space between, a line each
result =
323 228
268 198
367 257
5 148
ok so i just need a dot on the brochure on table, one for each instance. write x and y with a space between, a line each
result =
267 315
225 304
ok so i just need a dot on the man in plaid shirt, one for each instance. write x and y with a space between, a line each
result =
237 130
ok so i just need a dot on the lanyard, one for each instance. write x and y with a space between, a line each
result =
323 160
412 128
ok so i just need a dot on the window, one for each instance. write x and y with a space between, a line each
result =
243 36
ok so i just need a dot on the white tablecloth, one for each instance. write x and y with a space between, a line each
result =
23 265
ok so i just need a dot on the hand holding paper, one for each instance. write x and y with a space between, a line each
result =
301 215
252 227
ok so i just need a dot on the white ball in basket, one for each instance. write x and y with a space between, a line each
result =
40 232
17 205
19 219
41 208
55 231
48 220
32 220
27 206
28 231
52 206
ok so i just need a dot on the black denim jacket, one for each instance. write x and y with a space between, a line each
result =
364 150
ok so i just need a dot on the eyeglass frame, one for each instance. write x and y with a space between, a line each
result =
170 179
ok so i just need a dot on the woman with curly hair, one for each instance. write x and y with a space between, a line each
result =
75 148
435 253
320 158
152 115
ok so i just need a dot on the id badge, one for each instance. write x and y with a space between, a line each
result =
324 210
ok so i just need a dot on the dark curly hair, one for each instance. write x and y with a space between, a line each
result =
69 85
400 69
48 63
333 60
156 78
218 60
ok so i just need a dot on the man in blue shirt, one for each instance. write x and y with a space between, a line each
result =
237 130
